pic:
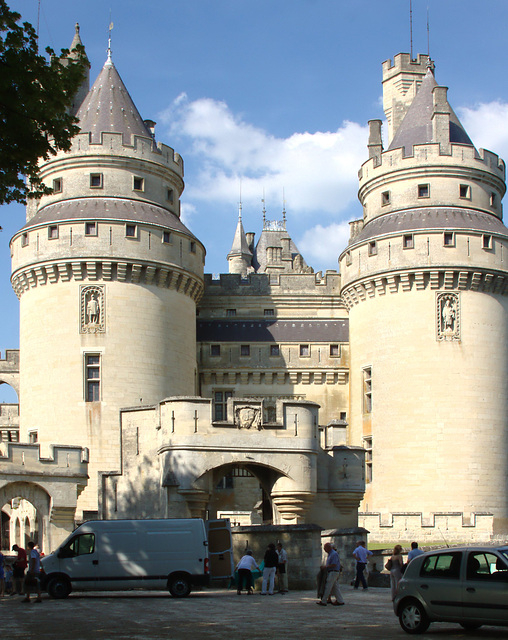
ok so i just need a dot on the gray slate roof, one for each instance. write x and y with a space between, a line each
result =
116 209
273 331
240 246
431 218
416 127
109 107
272 238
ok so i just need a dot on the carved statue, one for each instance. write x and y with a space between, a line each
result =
248 417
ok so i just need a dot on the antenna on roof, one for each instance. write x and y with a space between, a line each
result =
283 208
411 26
428 33
110 28
240 203
264 209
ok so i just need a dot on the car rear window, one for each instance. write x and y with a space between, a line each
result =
442 565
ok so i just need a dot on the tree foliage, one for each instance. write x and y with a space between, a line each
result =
35 94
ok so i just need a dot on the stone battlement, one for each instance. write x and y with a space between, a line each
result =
256 284
403 62
25 459
11 361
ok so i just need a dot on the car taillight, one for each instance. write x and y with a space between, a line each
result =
207 565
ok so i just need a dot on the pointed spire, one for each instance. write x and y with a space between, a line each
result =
240 256
264 209
110 28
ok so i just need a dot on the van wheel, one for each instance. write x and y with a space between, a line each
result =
59 587
179 587
412 617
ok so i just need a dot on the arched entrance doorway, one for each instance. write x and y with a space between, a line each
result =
25 514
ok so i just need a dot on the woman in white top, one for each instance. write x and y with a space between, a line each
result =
396 563
244 568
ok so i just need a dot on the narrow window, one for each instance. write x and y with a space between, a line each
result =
304 350
171 195
138 184
230 313
52 232
220 405
348 259
423 191
90 228
465 191
486 241
274 350
193 247
408 241
269 312
57 185
448 239
367 390
96 180
367 445
493 200
92 377
245 350
343 416
131 230
215 350
24 240
33 437
166 237
372 248
385 198
334 350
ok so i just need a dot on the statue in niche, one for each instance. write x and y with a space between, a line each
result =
92 309
248 417
448 316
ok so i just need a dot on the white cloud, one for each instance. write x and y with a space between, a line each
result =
487 126
321 246
318 171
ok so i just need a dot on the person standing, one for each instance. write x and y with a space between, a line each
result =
395 564
271 561
361 555
18 570
282 568
332 567
32 580
244 568
414 553
2 575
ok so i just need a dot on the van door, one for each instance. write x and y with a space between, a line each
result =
79 560
220 548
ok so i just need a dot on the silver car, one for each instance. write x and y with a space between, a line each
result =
468 585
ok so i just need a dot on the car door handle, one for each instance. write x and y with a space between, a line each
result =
471 590
95 562
424 586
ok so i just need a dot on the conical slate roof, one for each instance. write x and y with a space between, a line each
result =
416 127
240 246
108 107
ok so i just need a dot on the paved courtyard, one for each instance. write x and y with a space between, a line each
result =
212 614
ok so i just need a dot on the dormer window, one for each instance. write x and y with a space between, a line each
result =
423 191
385 198
486 241
52 232
372 248
449 239
166 237
96 180
57 185
138 184
408 241
24 240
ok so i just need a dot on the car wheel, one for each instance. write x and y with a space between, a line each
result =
179 586
412 617
470 626
59 587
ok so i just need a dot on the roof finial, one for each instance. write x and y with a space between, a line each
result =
411 26
264 209
110 28
283 208
240 203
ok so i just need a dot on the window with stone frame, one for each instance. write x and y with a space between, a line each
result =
92 377
220 404
367 445
367 390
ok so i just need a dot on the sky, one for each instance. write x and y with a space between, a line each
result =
272 97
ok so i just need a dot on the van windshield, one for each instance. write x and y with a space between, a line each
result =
78 546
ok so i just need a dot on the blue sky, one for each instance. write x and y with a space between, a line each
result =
275 94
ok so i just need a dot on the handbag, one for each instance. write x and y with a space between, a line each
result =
389 565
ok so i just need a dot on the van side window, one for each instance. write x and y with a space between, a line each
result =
78 546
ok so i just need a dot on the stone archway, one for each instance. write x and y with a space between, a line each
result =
41 502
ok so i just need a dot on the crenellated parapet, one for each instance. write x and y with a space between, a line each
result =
256 284
23 459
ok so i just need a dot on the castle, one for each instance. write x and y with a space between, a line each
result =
374 396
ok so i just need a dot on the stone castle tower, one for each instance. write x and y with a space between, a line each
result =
425 278
108 277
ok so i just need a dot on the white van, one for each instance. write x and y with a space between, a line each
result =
115 555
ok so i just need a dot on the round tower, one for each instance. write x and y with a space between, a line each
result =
108 278
425 279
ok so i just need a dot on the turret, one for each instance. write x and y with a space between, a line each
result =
240 256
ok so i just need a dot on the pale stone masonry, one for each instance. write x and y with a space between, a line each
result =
377 396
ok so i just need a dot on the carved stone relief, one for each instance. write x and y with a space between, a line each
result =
92 309
248 417
448 316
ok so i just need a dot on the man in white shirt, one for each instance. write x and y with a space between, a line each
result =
361 554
